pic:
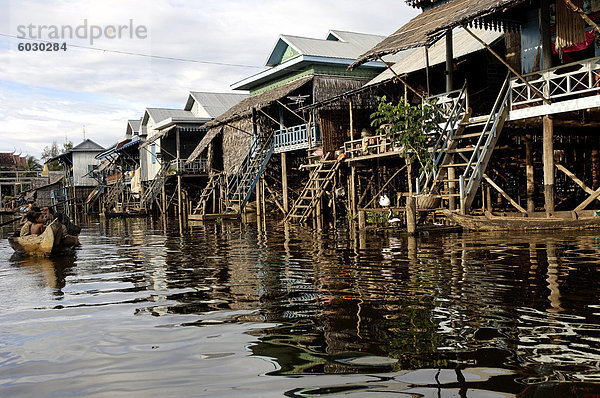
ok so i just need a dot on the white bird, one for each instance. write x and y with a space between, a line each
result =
392 220
384 201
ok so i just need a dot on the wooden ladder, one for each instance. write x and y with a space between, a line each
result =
320 178
206 193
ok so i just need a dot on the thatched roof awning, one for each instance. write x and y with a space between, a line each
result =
204 142
243 110
426 27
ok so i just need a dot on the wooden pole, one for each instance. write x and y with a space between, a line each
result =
546 34
264 202
258 202
451 185
427 68
179 197
530 175
595 168
548 161
284 182
411 215
449 61
352 168
362 222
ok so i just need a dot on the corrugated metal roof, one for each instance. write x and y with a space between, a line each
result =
135 125
87 145
214 104
332 48
160 114
415 60
425 27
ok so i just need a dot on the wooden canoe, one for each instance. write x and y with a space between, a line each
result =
494 223
48 243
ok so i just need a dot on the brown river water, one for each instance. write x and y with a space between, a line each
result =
232 312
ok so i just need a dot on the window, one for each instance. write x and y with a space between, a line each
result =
153 152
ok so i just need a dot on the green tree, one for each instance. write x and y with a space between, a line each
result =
54 150
407 126
32 166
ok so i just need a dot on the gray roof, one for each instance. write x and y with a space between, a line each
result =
135 125
87 145
338 44
160 114
213 104
414 59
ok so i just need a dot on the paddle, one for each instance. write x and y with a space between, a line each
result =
19 218
10 222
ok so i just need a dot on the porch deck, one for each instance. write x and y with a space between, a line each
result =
570 87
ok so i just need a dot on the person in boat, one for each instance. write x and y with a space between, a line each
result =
30 226
48 215
30 208
37 225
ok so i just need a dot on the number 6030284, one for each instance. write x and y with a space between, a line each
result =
42 46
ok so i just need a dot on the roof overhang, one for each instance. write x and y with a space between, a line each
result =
427 27
296 64
244 109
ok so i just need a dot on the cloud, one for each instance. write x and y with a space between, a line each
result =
45 95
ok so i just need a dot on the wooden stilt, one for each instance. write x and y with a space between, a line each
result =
362 222
179 196
530 175
548 160
452 186
449 61
258 202
264 202
595 168
411 215
284 182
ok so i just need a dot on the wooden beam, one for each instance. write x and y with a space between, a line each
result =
385 185
504 194
573 177
274 197
589 200
275 121
295 114
513 70
401 79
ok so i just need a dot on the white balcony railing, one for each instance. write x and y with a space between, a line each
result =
198 166
558 84
296 137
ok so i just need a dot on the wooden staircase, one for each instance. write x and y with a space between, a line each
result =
467 149
482 151
155 187
242 183
321 176
429 181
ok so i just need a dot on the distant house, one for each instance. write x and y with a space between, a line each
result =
79 163
10 182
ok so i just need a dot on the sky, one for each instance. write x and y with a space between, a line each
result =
63 95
